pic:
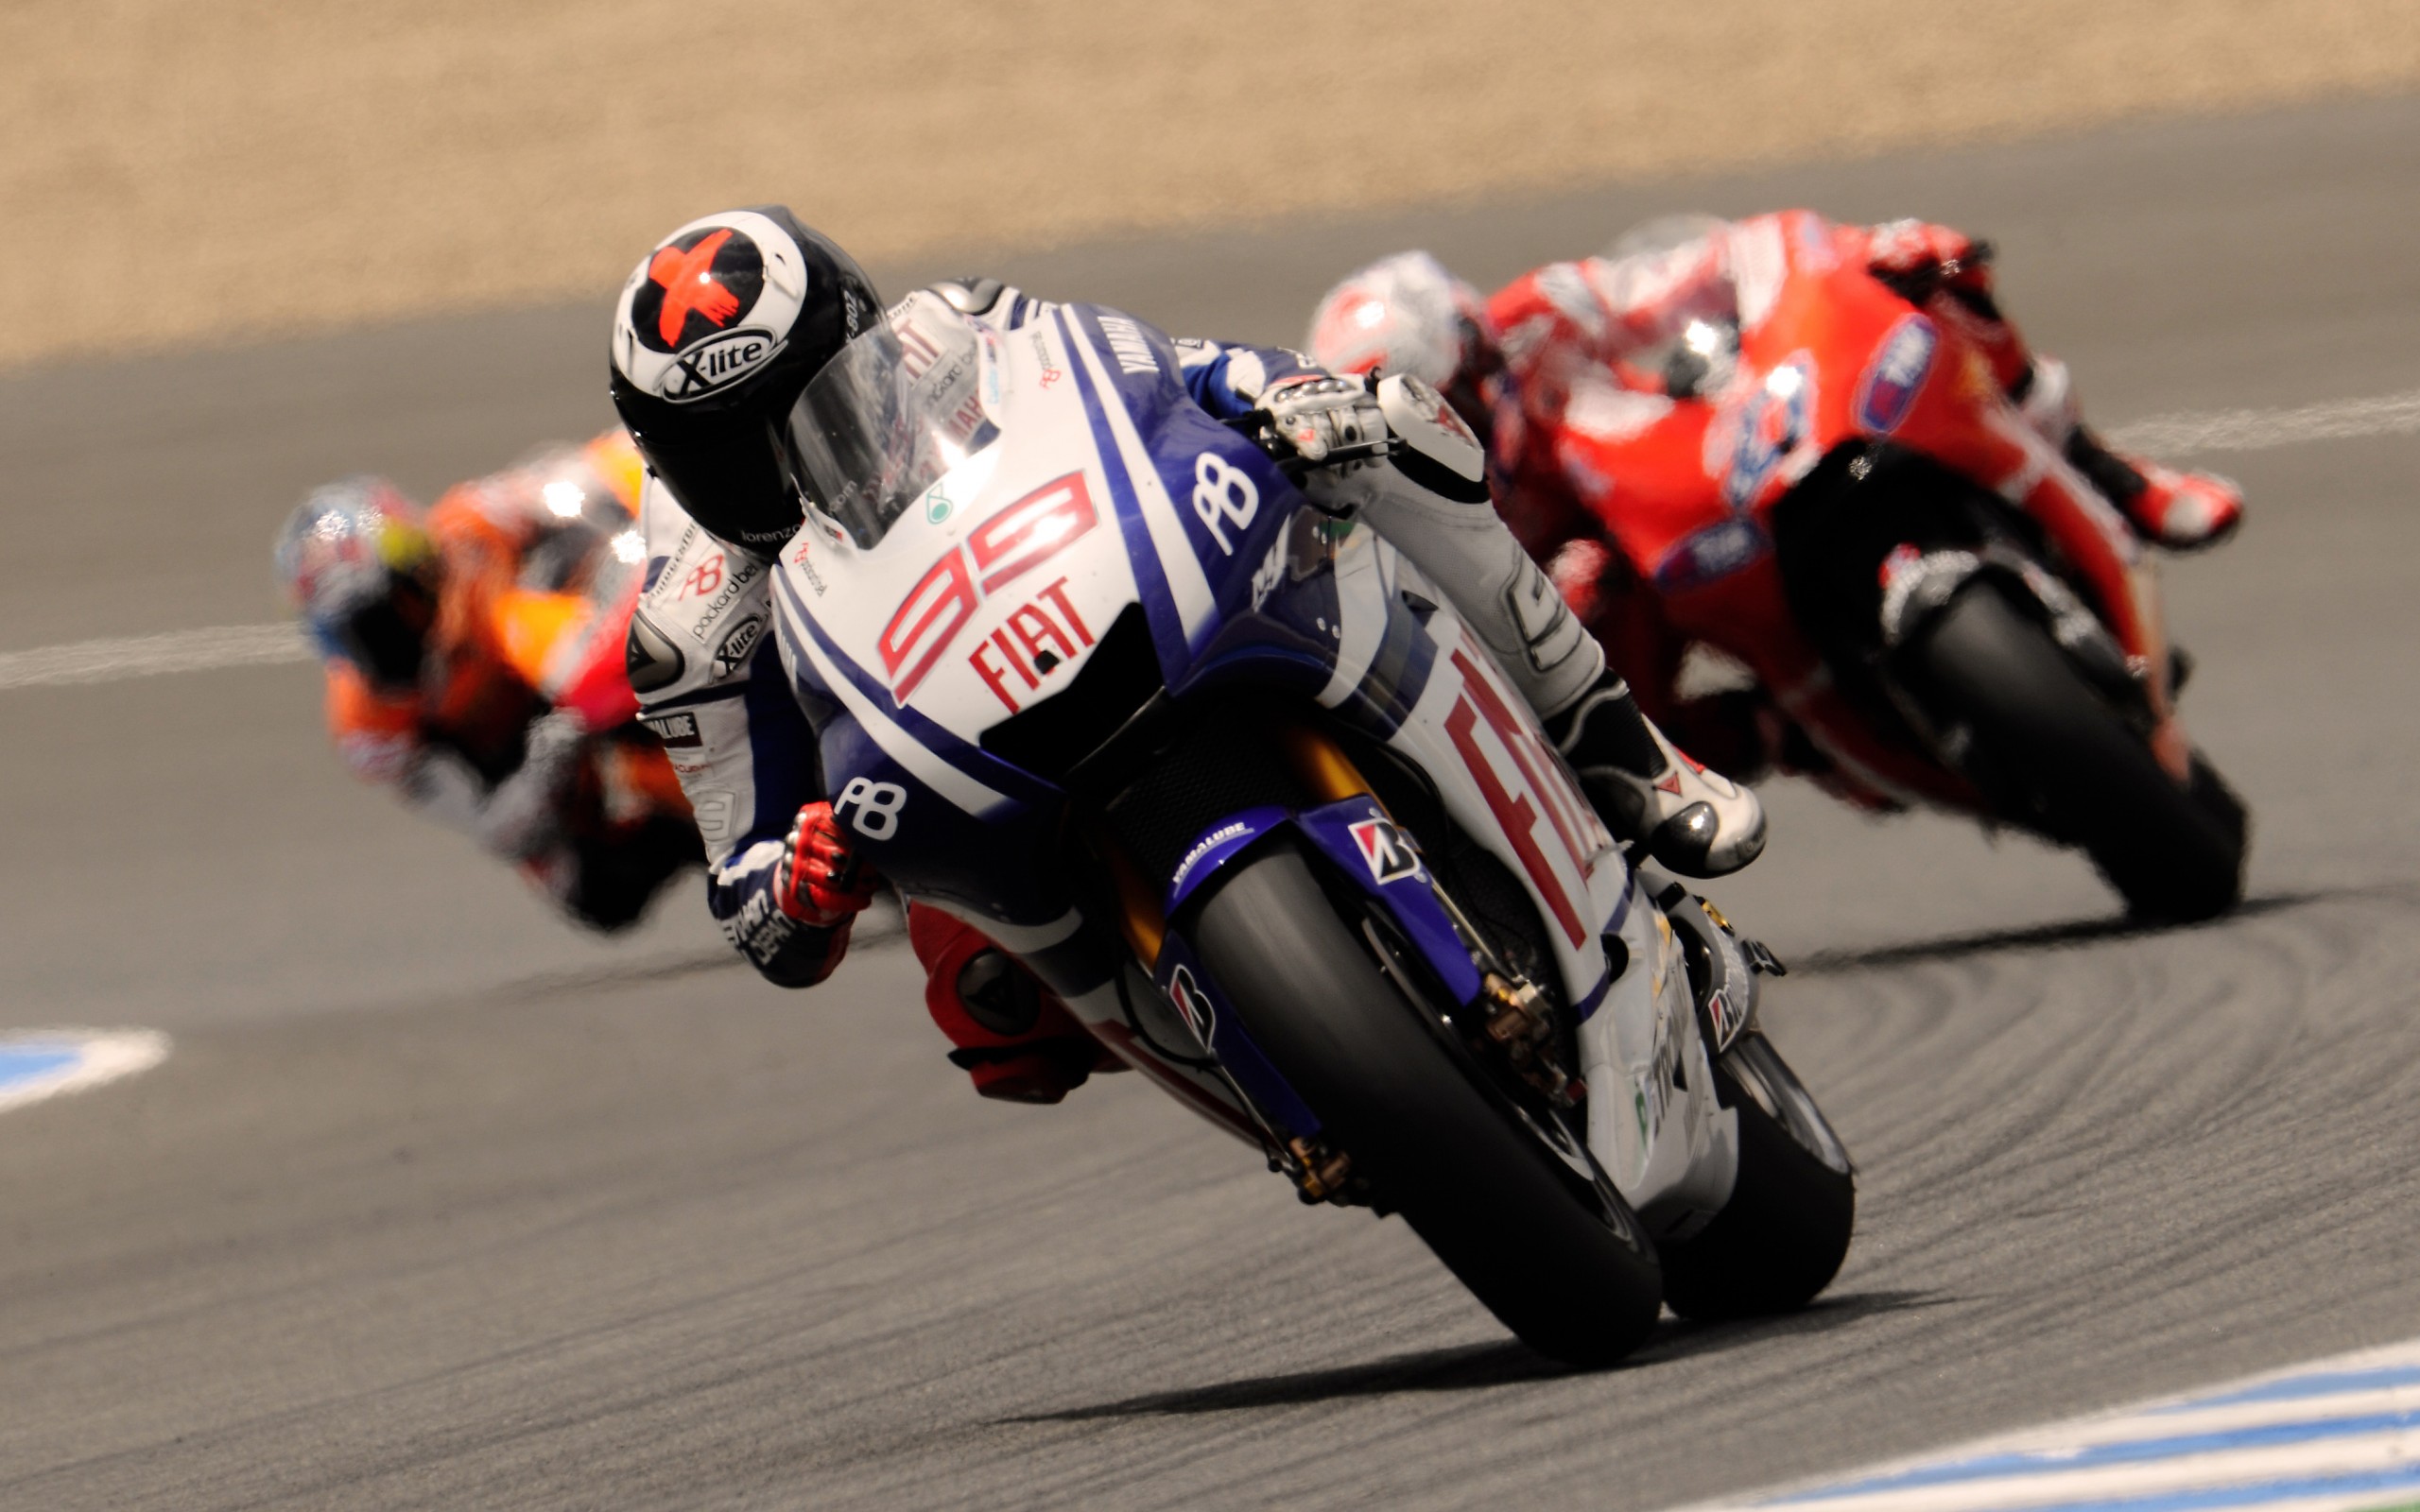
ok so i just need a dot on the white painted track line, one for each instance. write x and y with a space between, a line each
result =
243 645
2253 430
151 656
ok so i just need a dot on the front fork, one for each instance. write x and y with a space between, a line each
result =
1643 1088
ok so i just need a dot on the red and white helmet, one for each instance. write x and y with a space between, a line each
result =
1405 314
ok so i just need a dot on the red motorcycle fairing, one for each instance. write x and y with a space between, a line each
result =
1838 359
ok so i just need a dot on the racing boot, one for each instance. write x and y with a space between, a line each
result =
1686 816
2182 511
1012 1035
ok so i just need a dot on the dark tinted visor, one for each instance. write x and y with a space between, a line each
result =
388 637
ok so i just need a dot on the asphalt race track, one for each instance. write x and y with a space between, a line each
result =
436 1203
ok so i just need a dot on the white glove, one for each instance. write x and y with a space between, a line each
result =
1324 423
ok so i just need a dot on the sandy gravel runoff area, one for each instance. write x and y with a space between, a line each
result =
183 171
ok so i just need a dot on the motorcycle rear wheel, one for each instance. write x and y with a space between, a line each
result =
2174 853
1555 1254
1781 1238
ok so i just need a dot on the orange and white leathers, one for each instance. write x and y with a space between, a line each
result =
510 733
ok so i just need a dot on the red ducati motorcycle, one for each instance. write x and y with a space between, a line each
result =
1935 601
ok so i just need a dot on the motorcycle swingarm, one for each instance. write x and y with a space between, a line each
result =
1723 964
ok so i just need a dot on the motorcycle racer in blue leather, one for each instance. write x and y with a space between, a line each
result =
717 336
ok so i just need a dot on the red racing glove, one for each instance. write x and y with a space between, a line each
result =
821 882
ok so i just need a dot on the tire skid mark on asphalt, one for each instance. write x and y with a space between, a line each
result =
1977 1006
241 645
36 1064
2255 430
2340 1435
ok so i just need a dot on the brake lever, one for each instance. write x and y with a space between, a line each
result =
1260 427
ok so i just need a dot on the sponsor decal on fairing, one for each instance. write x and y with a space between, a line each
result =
1004 548
1385 849
1127 343
1709 554
1037 639
1768 427
1193 1006
1898 371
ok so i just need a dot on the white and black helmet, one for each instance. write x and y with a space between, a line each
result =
718 331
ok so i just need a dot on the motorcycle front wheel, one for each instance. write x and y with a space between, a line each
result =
1536 1234
2175 853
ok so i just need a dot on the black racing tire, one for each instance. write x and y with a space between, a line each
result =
1780 1238
1556 1255
2175 853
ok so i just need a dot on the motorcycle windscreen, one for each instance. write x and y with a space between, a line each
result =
871 433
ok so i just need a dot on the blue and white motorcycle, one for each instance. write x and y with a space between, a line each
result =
1229 776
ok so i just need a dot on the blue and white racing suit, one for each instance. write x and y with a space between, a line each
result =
710 681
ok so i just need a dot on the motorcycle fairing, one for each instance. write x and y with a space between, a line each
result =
1364 849
1671 1149
1244 584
